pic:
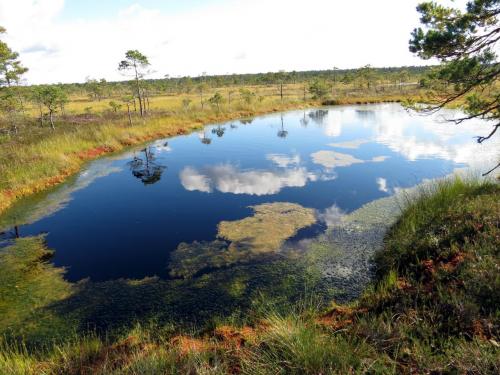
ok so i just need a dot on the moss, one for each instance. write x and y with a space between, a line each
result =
247 239
28 284
268 228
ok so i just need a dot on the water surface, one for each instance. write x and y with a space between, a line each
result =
124 216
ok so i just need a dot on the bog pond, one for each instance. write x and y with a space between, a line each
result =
278 201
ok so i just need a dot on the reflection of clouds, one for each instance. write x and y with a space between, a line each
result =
331 216
284 161
228 179
192 180
332 159
333 124
379 159
382 184
424 137
350 144
332 120
161 145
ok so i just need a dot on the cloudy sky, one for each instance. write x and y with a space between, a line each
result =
68 40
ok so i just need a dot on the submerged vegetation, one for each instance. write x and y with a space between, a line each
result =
432 309
249 302
246 239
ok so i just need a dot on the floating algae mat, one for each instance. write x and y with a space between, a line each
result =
247 239
215 219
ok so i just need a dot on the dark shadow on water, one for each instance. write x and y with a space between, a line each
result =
118 305
307 232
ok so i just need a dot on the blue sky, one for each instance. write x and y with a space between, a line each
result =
69 40
95 9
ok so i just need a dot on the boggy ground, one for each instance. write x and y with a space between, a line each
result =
433 308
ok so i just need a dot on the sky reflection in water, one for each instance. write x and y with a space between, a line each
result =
124 215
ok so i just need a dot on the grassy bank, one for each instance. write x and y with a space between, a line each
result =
432 309
37 158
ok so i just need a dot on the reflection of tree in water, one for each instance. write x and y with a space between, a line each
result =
233 126
204 139
246 121
318 116
282 133
10 234
146 168
365 114
219 130
304 121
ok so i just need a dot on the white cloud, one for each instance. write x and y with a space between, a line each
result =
382 184
219 37
332 159
379 159
228 179
354 144
331 216
192 180
284 161
436 138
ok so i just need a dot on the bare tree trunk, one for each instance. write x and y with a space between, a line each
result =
144 102
51 117
41 115
128 112
281 91
135 106
138 89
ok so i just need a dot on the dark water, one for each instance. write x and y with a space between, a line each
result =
123 215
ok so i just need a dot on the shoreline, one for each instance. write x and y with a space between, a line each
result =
150 130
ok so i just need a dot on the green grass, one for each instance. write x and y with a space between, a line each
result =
433 309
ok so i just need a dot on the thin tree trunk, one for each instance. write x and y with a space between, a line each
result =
129 117
138 89
41 116
51 120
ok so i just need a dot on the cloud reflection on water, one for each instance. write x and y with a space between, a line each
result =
226 178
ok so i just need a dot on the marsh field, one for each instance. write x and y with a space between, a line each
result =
222 227
261 218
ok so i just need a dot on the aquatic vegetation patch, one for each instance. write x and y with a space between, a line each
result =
246 240
28 285
268 228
